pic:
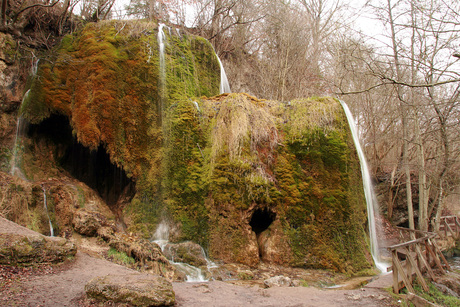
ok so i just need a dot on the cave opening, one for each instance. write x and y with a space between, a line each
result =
93 167
261 219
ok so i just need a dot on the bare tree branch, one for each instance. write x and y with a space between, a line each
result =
15 18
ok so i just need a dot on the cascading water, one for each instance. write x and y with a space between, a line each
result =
372 206
224 85
45 206
196 106
161 37
34 67
193 274
15 162
161 43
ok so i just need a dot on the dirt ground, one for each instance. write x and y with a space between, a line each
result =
63 285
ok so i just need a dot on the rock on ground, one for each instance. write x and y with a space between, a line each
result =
278 281
87 222
135 289
187 252
29 249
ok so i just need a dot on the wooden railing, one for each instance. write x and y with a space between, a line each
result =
413 258
450 226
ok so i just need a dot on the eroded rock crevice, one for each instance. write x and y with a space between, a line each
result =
93 167
261 220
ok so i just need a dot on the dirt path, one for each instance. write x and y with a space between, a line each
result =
223 294
64 286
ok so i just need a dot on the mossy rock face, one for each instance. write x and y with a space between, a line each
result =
18 249
252 180
247 179
134 289
186 252
255 180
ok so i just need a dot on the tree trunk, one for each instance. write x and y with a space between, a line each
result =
4 6
151 9
423 190
404 110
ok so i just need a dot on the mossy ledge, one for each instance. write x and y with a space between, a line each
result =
248 179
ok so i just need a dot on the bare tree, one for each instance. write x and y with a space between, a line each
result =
425 80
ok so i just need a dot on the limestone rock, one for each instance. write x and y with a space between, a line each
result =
30 249
11 89
145 252
187 252
107 233
278 281
273 245
88 222
134 289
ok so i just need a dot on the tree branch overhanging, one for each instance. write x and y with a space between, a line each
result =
389 81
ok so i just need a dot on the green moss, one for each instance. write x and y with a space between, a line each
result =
206 163
120 257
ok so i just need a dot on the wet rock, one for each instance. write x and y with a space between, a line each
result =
278 281
187 252
134 289
88 222
31 249
147 254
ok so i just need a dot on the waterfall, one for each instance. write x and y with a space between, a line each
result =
34 67
161 42
45 206
15 162
196 106
193 274
161 236
372 206
224 86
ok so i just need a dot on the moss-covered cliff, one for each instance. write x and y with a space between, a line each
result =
264 180
250 180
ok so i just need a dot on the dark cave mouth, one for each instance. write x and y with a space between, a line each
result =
261 219
93 167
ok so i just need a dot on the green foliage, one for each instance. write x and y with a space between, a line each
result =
434 295
120 257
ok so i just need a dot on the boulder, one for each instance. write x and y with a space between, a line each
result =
186 252
106 232
88 222
134 289
146 253
30 249
278 281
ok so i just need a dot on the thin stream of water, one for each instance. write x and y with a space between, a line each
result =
224 85
371 201
45 206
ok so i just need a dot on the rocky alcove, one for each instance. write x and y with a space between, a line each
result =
261 219
93 167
